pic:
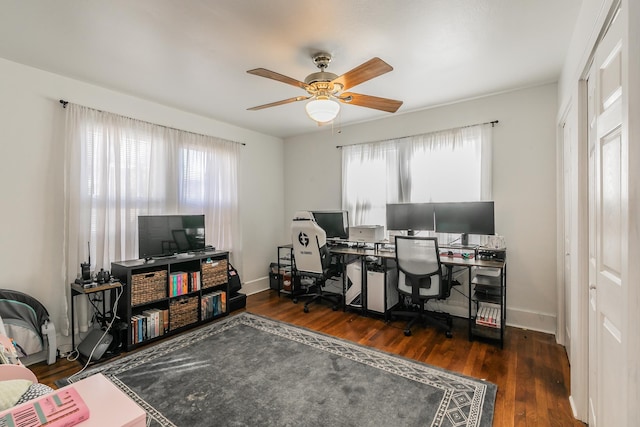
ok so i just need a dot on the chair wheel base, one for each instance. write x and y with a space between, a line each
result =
306 309
449 334
407 333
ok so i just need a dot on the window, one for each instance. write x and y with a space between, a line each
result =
452 165
119 168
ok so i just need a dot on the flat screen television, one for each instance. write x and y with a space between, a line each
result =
334 223
165 235
465 218
410 217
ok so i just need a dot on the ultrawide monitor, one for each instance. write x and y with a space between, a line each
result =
465 217
334 223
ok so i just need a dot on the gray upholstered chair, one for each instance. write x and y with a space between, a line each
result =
420 279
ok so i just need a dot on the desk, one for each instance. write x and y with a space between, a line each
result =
471 264
77 289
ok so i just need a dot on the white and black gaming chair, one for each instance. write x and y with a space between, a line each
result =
311 256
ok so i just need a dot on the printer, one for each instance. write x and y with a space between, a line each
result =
366 233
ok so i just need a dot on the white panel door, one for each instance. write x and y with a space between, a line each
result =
607 306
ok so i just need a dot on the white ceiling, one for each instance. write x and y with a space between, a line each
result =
193 54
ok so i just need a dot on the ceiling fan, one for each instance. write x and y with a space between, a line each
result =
326 90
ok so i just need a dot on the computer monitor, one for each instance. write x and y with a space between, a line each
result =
334 223
410 217
465 218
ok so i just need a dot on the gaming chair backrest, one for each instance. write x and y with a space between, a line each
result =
309 244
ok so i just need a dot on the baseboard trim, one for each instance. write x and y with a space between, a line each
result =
573 407
531 320
254 286
519 318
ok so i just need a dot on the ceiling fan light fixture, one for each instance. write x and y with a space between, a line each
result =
322 109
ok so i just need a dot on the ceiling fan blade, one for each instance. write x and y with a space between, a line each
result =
384 104
372 68
284 101
263 72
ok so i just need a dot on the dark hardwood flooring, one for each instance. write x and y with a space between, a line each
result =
532 371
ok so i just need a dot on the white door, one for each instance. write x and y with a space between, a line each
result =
607 290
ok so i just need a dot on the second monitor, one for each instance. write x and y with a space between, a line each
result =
465 218
334 223
410 217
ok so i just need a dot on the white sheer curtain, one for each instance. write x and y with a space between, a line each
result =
369 174
451 165
118 168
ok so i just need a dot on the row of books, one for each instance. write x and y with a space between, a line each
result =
489 315
213 304
181 283
149 324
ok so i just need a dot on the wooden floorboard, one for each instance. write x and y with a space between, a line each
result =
531 371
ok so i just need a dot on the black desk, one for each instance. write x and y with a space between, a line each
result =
77 289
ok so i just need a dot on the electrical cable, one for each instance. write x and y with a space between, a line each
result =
106 331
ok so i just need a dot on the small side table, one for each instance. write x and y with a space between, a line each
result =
108 405
77 289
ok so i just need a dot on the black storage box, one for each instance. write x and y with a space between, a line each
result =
237 301
274 280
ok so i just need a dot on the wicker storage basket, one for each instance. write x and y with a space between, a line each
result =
150 286
183 312
214 273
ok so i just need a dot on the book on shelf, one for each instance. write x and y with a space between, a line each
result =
178 283
213 304
194 281
150 323
489 315
61 408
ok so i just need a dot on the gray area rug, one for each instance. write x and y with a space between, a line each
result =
246 370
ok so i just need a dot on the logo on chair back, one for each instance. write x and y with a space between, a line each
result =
303 239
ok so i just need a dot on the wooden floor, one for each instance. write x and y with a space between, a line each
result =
531 372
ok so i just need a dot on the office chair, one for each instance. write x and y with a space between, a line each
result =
312 257
420 279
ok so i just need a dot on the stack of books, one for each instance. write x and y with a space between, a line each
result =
489 315
181 283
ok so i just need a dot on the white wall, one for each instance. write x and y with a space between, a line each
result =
524 183
31 180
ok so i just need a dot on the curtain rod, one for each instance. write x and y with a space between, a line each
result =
64 105
492 123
